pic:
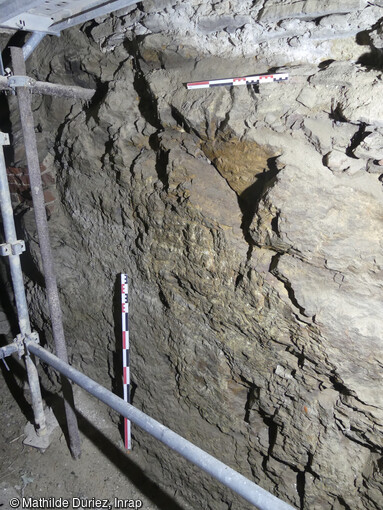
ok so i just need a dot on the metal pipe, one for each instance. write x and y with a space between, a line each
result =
2 71
19 291
11 238
223 473
37 402
32 43
7 350
24 100
53 89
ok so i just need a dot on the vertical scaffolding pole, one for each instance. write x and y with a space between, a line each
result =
18 287
24 100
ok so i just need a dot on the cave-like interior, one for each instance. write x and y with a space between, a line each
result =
247 217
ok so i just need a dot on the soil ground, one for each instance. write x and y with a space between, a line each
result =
104 471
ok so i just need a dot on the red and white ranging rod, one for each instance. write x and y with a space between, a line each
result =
125 355
246 80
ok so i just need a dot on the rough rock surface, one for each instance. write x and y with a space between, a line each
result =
248 221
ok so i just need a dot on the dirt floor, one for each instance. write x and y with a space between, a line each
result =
104 471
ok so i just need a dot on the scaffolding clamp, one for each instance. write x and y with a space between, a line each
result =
22 341
16 248
18 345
9 349
20 81
29 337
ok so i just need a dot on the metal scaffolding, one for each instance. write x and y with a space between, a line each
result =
13 248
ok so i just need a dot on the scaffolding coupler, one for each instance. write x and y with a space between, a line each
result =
20 81
19 345
16 248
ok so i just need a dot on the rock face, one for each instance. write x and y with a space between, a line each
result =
249 222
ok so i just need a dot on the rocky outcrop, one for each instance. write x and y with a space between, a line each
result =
248 220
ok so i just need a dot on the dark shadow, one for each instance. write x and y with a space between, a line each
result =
273 269
16 376
180 119
343 504
88 27
372 60
93 106
249 199
339 386
162 160
301 488
52 399
336 114
252 397
106 447
17 371
363 38
6 297
253 88
18 40
357 139
6 127
29 266
127 466
147 101
326 63
15 379
273 433
5 124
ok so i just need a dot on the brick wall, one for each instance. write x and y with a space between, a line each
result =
20 188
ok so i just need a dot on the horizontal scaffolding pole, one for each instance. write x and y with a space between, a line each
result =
223 473
42 87
7 350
